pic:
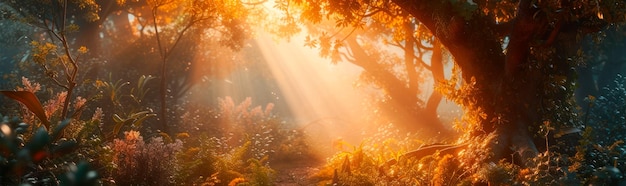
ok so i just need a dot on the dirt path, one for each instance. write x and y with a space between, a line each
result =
295 173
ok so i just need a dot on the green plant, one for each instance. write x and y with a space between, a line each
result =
133 112
144 163
236 144
601 155
379 160
70 140
32 160
31 102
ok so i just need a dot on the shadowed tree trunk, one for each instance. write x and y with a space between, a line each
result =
509 92
436 69
605 60
586 86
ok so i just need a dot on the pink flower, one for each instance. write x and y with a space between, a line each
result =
28 86
55 104
97 115
268 109
133 136
79 102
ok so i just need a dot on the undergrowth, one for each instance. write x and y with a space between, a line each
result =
593 155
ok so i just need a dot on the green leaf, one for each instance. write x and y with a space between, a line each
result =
36 146
139 121
56 134
118 119
31 102
39 140
65 147
80 174
118 126
138 115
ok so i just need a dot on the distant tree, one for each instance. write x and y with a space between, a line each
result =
604 60
179 42
398 75
158 27
173 20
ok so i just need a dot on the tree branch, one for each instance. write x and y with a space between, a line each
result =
470 40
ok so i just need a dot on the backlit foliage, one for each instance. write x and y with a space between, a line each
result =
515 72
38 153
249 139
144 163
501 106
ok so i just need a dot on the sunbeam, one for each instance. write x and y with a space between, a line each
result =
319 94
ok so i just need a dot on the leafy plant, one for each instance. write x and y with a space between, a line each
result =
133 112
69 139
236 144
28 161
379 160
31 102
144 163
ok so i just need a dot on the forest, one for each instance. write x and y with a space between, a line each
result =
312 92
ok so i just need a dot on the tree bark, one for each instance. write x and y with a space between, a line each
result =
409 53
507 92
436 69
586 86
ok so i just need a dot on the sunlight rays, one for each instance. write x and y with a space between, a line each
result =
320 95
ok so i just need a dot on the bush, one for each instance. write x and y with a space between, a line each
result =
141 163
36 160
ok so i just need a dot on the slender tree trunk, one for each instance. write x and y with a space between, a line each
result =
586 86
436 69
612 66
402 103
409 56
163 98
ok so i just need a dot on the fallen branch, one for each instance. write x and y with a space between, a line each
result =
424 151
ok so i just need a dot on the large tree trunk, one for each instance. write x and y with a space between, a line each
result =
508 93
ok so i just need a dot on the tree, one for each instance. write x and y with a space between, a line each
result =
398 75
603 61
103 27
52 50
189 39
226 18
516 58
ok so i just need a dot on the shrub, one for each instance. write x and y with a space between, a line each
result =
141 163
601 156
36 160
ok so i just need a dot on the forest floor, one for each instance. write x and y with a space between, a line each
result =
296 173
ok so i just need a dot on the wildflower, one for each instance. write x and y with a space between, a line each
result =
524 174
256 111
236 181
182 135
97 115
82 50
99 84
268 109
28 86
55 104
79 103
132 136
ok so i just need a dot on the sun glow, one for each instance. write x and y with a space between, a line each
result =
319 94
